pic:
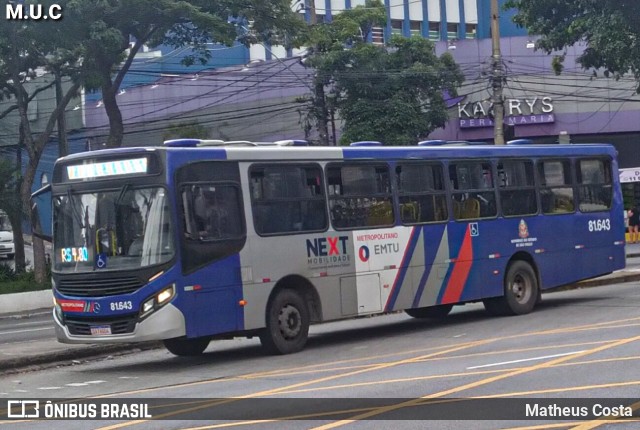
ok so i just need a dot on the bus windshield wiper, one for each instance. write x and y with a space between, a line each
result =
123 191
76 213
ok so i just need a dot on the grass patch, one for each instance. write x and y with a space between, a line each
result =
12 282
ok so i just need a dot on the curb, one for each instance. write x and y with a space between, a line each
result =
25 302
49 359
596 282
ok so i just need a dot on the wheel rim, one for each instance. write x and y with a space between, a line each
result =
521 287
289 322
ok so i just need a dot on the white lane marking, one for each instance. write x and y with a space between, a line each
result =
77 384
21 391
94 382
49 388
524 359
24 331
128 377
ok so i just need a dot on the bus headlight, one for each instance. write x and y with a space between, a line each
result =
165 295
148 306
58 310
158 300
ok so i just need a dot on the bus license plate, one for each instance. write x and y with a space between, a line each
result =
100 330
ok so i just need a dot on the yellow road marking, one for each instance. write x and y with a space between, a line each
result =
301 384
478 383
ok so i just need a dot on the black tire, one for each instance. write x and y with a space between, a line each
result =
186 347
433 312
10 256
521 291
287 328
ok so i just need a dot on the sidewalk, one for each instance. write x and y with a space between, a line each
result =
16 357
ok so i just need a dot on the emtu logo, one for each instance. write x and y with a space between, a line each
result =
20 11
363 253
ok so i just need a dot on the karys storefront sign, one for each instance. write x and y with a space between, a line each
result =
526 111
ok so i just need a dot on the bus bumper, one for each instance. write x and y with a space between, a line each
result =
166 323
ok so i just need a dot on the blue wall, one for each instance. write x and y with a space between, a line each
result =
507 27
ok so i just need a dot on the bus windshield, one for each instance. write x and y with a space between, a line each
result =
121 229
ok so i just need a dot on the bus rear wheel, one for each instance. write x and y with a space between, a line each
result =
186 347
521 291
287 324
434 312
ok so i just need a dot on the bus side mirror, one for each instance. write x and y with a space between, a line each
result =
37 227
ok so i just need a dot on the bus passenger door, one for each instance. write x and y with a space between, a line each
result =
214 234
213 294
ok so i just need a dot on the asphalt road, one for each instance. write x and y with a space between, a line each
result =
580 343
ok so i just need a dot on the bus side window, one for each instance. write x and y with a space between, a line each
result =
421 192
212 212
595 190
361 195
287 198
556 190
517 188
473 191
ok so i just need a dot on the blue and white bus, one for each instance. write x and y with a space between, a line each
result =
200 240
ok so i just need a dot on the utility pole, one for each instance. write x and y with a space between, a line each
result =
63 147
497 76
322 114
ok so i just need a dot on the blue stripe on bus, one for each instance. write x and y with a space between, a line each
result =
432 235
181 156
404 267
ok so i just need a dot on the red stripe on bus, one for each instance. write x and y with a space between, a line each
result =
460 271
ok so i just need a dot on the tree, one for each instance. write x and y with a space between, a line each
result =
117 30
326 41
25 47
609 28
188 129
392 94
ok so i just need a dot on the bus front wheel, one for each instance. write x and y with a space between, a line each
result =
521 291
186 347
287 324
434 312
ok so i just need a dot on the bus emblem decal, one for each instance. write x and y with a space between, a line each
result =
523 230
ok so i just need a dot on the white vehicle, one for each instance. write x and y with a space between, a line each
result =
7 247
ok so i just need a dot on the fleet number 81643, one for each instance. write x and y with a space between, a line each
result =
121 306
600 225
